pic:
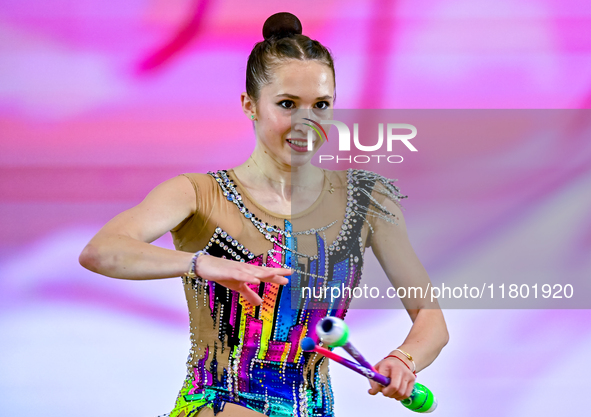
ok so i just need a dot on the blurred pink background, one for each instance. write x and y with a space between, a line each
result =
102 100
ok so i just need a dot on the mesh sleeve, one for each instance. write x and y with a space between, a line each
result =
381 192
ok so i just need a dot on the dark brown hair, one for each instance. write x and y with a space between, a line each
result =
283 41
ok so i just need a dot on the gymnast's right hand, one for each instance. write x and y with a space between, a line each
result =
238 275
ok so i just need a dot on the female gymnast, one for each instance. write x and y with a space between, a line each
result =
247 237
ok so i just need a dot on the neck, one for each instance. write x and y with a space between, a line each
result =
263 172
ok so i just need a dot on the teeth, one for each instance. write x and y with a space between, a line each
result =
299 142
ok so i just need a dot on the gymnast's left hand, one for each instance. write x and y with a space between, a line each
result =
402 380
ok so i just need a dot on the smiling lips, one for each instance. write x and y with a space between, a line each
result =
298 144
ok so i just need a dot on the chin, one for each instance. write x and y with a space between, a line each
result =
300 160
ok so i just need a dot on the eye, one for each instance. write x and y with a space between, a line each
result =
286 104
323 105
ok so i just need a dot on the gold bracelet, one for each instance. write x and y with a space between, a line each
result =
409 358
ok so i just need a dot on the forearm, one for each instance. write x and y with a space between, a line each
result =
426 338
120 256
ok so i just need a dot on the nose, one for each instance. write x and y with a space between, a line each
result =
300 115
301 121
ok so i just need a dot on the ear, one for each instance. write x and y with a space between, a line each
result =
248 105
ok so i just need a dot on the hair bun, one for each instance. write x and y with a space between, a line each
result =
281 25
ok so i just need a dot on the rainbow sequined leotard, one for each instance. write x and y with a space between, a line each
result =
249 355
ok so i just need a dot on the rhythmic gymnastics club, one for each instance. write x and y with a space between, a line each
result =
334 332
421 400
309 345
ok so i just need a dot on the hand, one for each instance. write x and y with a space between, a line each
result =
402 380
238 275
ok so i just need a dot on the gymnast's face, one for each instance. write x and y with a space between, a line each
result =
299 88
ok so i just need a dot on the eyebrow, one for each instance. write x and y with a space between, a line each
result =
296 97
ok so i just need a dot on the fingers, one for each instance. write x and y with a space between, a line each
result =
375 387
243 276
267 274
263 272
281 271
401 379
278 279
232 274
391 390
250 296
409 389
